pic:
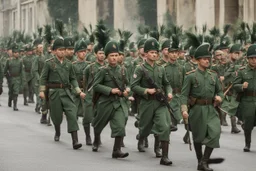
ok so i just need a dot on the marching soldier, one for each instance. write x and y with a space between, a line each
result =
58 76
15 72
151 111
244 84
69 44
79 66
203 89
110 84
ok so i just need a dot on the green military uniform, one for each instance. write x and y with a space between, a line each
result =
27 62
247 96
201 87
15 71
111 107
79 67
151 111
59 77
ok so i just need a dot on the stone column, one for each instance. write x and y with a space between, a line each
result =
119 14
18 15
205 13
87 12
249 11
222 14
186 13
161 11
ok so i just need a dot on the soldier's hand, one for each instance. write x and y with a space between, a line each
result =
245 85
42 95
131 98
82 95
1 90
116 91
170 97
218 99
222 78
151 90
185 115
125 93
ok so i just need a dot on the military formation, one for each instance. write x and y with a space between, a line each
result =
165 78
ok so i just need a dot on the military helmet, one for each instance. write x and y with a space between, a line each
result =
111 47
69 43
58 43
166 44
251 52
15 47
203 51
141 43
151 44
132 47
235 48
80 45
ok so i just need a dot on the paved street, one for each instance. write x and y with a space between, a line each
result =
26 145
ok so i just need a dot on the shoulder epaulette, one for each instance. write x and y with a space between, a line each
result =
50 59
242 68
189 72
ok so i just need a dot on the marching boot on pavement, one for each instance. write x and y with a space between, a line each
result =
15 99
43 119
37 108
234 129
141 147
223 119
31 98
57 133
88 139
199 154
117 153
247 135
165 150
204 162
25 99
146 142
75 143
96 142
157 147
9 101
122 142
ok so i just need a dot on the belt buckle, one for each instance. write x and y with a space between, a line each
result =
61 85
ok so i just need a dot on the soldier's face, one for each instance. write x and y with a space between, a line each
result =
181 54
90 47
69 52
173 55
141 51
9 52
120 58
81 54
152 55
165 52
252 61
218 56
234 56
112 58
60 53
203 62
40 48
29 52
100 56
15 54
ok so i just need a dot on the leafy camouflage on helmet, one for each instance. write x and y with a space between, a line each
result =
252 33
124 35
90 33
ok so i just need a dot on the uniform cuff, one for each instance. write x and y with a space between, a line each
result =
184 108
42 88
78 90
145 92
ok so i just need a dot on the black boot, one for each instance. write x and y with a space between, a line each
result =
165 150
75 143
199 154
247 135
57 133
206 157
146 142
31 98
37 108
43 119
88 139
25 101
186 138
223 119
157 147
10 101
96 142
234 129
15 99
174 124
117 153
122 142
140 144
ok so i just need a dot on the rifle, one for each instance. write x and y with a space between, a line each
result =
160 96
230 86
188 133
122 89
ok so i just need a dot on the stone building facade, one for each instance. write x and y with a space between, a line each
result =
24 15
